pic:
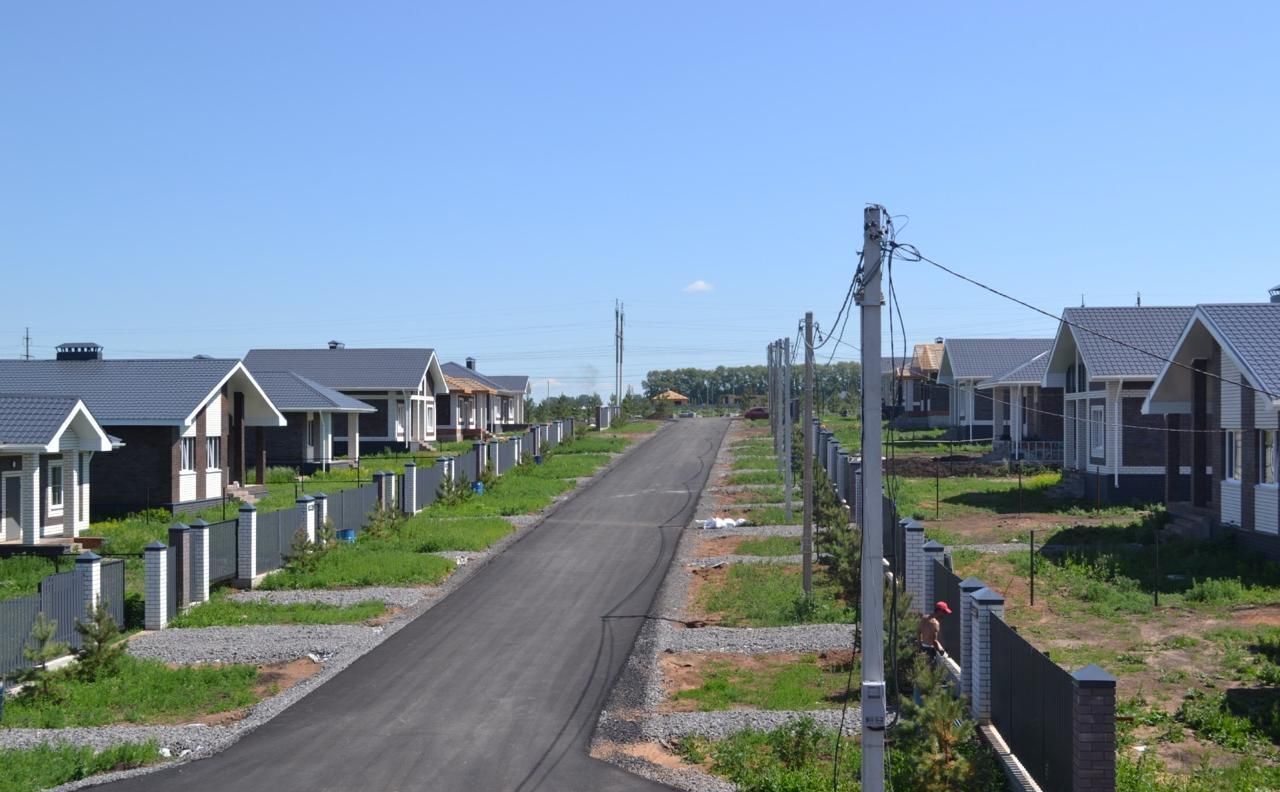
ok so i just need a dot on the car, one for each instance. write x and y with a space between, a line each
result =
756 412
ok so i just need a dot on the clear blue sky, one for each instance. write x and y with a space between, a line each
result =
486 178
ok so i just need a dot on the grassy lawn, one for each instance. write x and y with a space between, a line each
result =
773 515
221 610
755 477
21 575
142 691
769 595
635 427
967 496
594 443
770 546
770 682
365 563
46 766
425 534
755 463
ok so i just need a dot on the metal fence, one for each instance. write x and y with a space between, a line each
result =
348 508
507 455
173 578
222 551
946 587
113 589
275 538
429 479
893 538
61 600
1031 704
465 465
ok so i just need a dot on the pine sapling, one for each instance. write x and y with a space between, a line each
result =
41 649
100 651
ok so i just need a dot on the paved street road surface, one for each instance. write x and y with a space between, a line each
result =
499 686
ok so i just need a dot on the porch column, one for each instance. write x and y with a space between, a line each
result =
30 519
84 474
353 437
71 493
998 398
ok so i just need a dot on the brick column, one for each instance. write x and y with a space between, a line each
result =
851 485
967 587
933 552
985 604
246 546
1093 731
842 475
198 588
322 511
155 560
180 537
914 567
381 489
409 498
30 513
495 458
89 576
306 507
71 493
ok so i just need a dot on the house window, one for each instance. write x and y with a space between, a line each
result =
55 486
213 453
188 455
1098 431
1235 464
1266 456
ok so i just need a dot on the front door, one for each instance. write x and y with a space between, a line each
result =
11 528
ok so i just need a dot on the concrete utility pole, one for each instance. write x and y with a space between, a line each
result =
806 541
786 412
869 297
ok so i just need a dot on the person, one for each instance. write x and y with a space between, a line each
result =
931 630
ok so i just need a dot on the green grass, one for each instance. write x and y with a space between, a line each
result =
965 496
803 684
755 477
142 691
21 575
755 463
46 766
797 757
776 515
594 443
770 595
220 610
1147 775
770 546
512 495
635 427
425 534
363 564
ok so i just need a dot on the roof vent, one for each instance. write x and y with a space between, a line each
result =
938 340
79 350
337 345
1274 291
203 357
471 363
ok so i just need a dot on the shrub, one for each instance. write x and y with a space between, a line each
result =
1227 591
40 650
100 651
280 475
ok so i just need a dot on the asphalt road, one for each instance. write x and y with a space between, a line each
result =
499 686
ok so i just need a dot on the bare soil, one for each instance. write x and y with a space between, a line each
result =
700 579
272 679
719 546
995 528
652 752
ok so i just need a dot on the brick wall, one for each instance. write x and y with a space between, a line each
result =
284 444
1047 423
1142 447
982 408
139 475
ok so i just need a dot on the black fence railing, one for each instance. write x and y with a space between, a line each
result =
1032 701
946 587
61 600
222 551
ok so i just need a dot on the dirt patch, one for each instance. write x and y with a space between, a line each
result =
996 528
390 613
651 752
272 679
719 546
700 578
1263 616
749 496
688 671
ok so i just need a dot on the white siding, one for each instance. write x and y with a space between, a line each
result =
1230 394
1264 415
189 430
1264 508
213 483
213 418
1231 502
187 486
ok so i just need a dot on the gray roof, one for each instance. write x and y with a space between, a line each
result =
980 358
349 369
291 392
458 370
1252 332
1153 329
26 419
1029 373
121 391
513 383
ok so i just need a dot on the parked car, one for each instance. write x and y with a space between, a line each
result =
756 412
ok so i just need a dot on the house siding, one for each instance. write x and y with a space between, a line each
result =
1230 499
1142 446
137 476
1266 508
285 444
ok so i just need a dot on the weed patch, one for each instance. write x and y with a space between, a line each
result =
45 766
223 611
771 595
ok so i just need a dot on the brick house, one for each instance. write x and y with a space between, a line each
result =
306 443
46 444
966 362
1220 399
182 422
917 401
1112 452
1026 416
401 385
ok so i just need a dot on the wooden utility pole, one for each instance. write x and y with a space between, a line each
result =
806 541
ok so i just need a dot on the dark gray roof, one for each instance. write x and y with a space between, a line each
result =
1252 332
291 392
32 420
121 391
1154 329
348 369
1030 372
973 358
458 370
512 383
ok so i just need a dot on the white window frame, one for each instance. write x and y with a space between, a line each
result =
187 455
54 505
1234 466
1267 457
1098 431
213 453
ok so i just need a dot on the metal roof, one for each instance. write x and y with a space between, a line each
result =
122 391
514 383
292 392
1030 372
1252 332
348 369
981 358
27 419
1154 329
458 371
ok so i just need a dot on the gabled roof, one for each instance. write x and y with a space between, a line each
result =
1029 373
38 422
981 358
927 357
349 369
1252 334
670 395
1153 329
467 380
514 383
125 392
292 392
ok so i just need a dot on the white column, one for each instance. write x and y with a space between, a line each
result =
353 436
31 494
914 564
71 493
322 510
933 552
306 508
156 560
89 575
199 538
409 498
86 458
985 605
247 545
967 587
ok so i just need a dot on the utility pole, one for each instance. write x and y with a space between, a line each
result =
786 412
806 541
868 296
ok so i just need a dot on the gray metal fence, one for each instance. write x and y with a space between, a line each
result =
222 551
61 600
275 538
1032 702
173 578
348 508
507 455
946 587
465 465
113 589
429 479
17 616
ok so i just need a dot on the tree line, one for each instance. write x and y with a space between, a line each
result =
835 385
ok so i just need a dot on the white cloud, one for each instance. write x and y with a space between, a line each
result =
698 286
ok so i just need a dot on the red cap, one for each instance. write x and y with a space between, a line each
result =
942 606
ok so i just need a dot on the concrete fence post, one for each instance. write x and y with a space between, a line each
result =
306 506
180 537
914 564
933 552
967 587
842 475
985 605
389 481
246 546
380 487
1093 731
444 465
851 486
409 498
155 560
322 511
89 576
198 589
495 457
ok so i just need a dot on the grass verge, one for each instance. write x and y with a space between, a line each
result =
770 595
770 546
773 682
223 611
368 563
45 766
21 575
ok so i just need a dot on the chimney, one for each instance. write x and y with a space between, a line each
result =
79 351
471 363
337 345
1274 291
938 340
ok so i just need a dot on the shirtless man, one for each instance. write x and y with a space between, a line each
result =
930 628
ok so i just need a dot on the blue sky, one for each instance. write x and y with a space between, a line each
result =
486 178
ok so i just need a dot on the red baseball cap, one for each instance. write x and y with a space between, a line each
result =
942 606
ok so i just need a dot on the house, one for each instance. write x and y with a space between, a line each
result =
306 443
513 390
672 397
1026 417
1219 397
46 444
400 384
1106 360
919 402
965 363
467 410
182 422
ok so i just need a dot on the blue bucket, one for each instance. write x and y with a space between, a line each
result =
347 535
477 487
537 459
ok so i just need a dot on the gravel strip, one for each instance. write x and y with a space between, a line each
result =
712 561
738 640
748 530
717 725
998 547
689 779
397 597
256 645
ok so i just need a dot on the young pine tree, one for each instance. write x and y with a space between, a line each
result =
40 650
100 651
